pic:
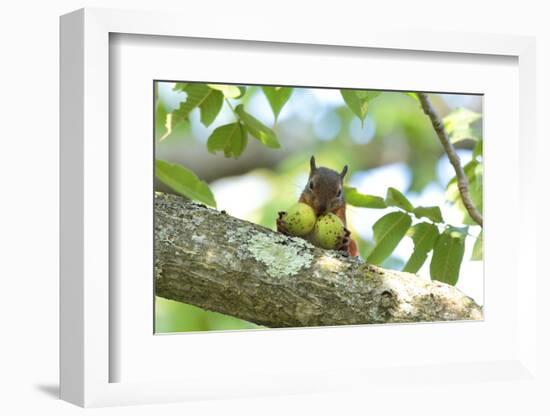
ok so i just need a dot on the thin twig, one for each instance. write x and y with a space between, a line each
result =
461 179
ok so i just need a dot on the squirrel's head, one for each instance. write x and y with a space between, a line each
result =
324 189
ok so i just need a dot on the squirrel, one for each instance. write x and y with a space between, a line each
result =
324 193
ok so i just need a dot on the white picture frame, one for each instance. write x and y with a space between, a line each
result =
87 304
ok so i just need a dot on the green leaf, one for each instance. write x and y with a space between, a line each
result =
458 125
229 91
432 213
184 182
198 95
358 101
161 126
277 98
257 129
229 138
414 96
395 198
477 251
388 232
238 146
424 236
180 86
210 107
447 256
357 199
478 150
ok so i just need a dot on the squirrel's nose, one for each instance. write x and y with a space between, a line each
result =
322 209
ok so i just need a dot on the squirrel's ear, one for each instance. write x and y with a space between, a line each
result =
344 171
312 164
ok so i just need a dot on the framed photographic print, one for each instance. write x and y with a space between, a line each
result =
271 214
381 142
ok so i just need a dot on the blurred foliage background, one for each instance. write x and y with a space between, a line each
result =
394 145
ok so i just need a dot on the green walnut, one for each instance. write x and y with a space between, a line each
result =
299 219
328 231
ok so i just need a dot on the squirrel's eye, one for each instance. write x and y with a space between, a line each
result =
311 185
339 193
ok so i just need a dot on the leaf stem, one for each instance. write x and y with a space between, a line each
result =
232 109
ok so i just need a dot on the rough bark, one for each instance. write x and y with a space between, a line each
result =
209 259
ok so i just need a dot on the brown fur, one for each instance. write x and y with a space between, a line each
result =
324 193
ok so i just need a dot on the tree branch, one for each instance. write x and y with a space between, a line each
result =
462 180
217 262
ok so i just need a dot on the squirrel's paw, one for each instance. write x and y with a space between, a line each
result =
345 243
281 227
